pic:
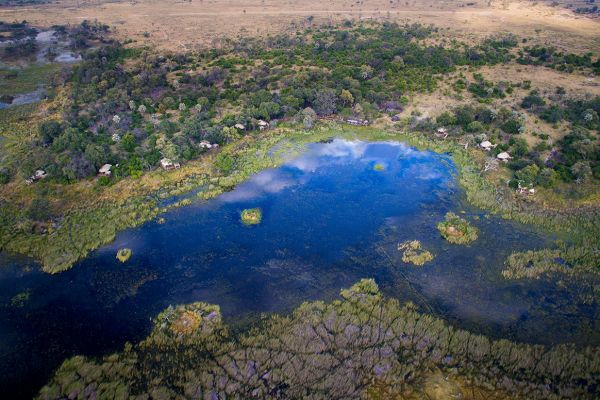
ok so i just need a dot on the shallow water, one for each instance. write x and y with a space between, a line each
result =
49 39
25 98
329 219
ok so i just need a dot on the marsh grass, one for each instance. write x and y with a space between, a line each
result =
412 252
13 82
457 230
88 219
124 254
251 216
20 299
332 350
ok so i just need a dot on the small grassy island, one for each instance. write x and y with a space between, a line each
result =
379 167
413 253
457 230
251 216
124 254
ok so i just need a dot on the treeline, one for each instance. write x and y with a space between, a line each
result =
552 58
131 107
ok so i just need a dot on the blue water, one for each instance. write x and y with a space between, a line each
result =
329 219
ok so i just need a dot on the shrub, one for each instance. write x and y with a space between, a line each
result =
325 102
225 163
4 176
528 175
547 178
445 119
512 126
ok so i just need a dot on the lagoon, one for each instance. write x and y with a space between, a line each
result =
330 216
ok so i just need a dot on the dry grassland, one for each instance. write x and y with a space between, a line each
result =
184 25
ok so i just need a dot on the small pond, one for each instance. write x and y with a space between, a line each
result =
329 218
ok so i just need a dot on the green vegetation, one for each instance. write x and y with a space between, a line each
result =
106 114
457 230
574 158
325 350
413 253
564 259
251 216
553 58
113 116
379 167
28 79
124 254
20 299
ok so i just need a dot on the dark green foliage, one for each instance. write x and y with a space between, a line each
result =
128 142
512 126
552 114
547 178
225 163
22 48
325 102
48 131
528 175
446 119
519 147
4 176
39 209
15 30
464 115
533 99
551 57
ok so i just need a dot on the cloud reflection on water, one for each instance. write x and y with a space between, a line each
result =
297 171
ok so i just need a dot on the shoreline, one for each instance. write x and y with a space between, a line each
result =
60 250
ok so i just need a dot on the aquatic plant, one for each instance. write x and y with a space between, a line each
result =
328 350
457 230
20 299
413 253
379 167
251 216
568 260
124 254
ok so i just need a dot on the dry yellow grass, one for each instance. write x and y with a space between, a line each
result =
183 25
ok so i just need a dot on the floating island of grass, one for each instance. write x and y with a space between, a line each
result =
457 230
124 254
413 253
379 167
251 216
